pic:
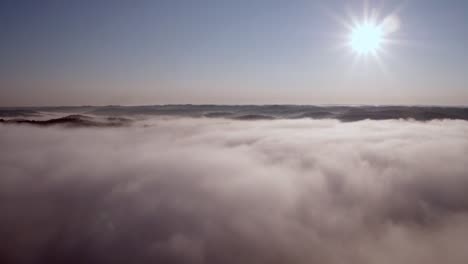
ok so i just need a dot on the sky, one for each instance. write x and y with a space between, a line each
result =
228 52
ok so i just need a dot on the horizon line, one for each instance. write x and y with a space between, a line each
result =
208 104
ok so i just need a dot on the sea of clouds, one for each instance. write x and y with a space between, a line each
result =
197 190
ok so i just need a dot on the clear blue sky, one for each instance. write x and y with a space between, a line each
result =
227 52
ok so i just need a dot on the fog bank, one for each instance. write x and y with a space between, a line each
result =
196 190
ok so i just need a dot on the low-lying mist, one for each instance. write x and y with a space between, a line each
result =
198 190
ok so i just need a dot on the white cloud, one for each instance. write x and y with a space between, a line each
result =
225 191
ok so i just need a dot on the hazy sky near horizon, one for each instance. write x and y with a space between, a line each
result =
228 52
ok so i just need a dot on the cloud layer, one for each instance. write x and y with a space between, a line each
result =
177 190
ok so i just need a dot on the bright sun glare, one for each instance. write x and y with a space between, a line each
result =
366 38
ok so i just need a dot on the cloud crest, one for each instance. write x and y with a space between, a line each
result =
177 190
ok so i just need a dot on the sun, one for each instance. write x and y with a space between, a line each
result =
366 38
370 38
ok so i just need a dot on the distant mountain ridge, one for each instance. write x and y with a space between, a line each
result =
72 121
115 115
